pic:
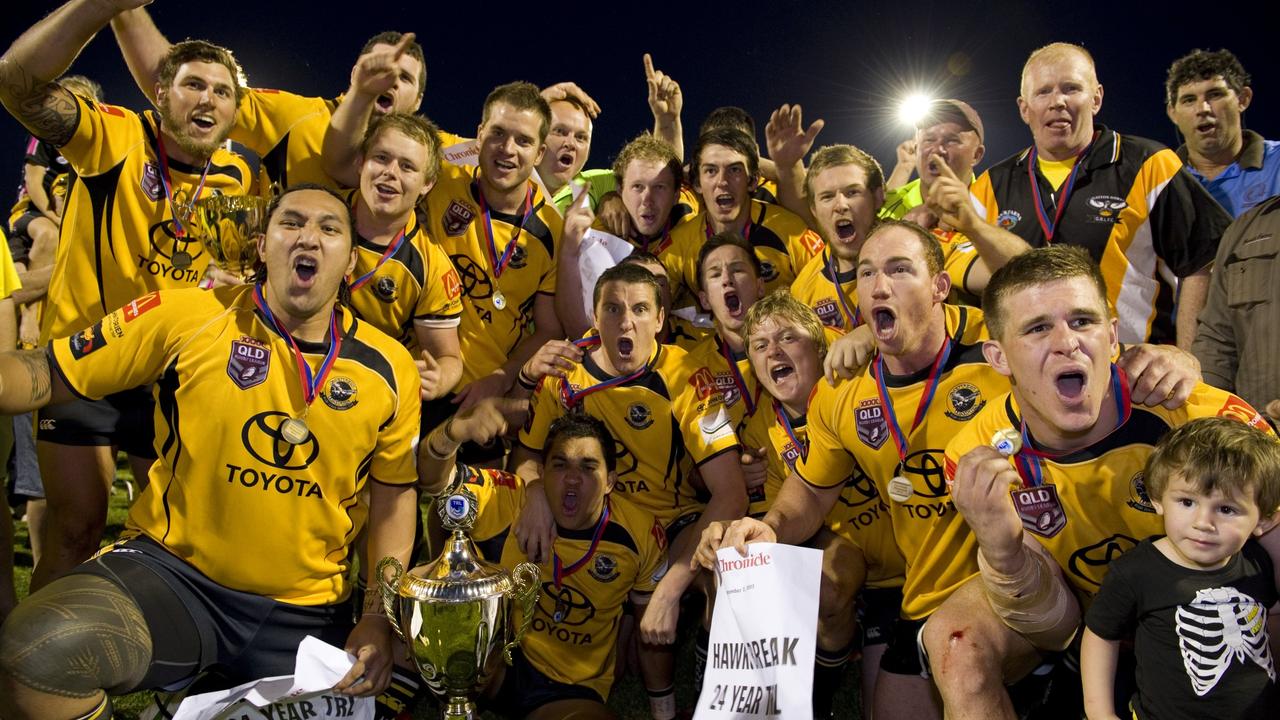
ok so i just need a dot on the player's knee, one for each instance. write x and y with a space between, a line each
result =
78 635
843 573
963 661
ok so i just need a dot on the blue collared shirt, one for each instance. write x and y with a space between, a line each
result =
1252 178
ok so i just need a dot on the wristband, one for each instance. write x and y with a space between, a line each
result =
525 381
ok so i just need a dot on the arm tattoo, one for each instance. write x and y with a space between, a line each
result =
46 108
37 366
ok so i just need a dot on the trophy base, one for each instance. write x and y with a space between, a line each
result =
460 708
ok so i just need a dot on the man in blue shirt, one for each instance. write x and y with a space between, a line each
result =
1206 95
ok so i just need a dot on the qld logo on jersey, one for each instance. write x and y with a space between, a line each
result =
150 182
249 362
872 429
1040 510
457 218
828 312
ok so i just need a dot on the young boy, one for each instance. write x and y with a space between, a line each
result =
1197 597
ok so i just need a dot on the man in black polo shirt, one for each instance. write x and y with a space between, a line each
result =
1127 200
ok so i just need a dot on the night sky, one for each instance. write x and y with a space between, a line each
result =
842 63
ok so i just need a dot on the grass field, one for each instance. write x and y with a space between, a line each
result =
628 699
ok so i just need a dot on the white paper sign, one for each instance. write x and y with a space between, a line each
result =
763 634
599 252
463 154
305 694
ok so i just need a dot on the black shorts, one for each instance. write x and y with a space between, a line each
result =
878 610
525 689
124 419
196 624
905 652
678 525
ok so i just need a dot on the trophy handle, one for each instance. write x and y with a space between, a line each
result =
387 588
525 590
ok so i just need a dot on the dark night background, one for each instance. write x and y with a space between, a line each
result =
846 62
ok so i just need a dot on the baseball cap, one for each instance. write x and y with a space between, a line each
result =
957 111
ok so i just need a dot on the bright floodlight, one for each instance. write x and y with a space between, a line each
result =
913 108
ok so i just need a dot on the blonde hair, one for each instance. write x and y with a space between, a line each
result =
1056 51
779 304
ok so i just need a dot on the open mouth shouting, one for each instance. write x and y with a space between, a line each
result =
845 230
1206 128
564 161
783 374
386 192
385 103
569 502
733 304
725 202
305 268
626 348
203 121
1070 385
884 322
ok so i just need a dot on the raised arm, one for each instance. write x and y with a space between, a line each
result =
143 47
788 142
44 52
374 73
950 199
665 102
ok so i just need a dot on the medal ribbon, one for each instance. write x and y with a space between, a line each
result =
785 421
500 263
178 229
931 387
560 572
391 250
572 398
310 382
663 244
1047 225
1029 460
739 382
854 318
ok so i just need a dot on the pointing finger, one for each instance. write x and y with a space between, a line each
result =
405 41
648 66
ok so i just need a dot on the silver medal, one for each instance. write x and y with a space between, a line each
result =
294 431
499 300
900 489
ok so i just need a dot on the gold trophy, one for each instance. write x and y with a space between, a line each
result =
454 613
228 227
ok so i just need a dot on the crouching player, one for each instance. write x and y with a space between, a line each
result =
606 551
786 342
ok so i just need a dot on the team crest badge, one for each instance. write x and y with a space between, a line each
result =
457 218
1106 208
639 416
872 429
1008 219
152 186
1040 510
249 362
385 288
828 313
768 271
519 258
341 394
1138 498
605 568
964 401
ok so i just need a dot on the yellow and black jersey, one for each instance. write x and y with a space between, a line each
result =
414 285
664 421
224 383
118 239
959 258
573 636
782 241
685 334
286 131
53 180
497 308
1090 506
860 515
832 294
736 383
849 426
1132 205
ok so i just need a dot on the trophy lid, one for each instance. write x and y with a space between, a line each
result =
459 574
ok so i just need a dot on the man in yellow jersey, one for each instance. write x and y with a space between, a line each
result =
1127 200
285 130
786 342
1065 496
502 235
608 552
403 283
667 418
122 236
241 544
926 382
725 172
647 172
951 131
